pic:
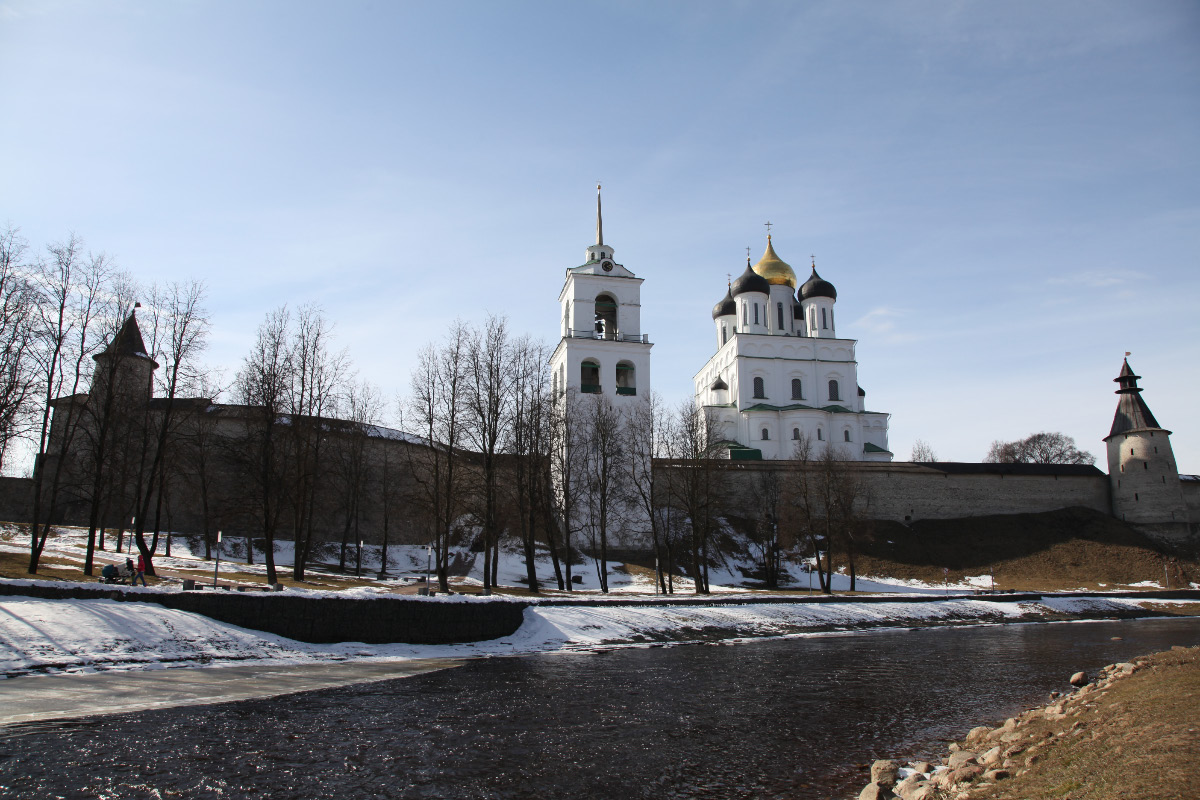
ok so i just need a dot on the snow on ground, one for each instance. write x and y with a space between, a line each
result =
411 561
45 636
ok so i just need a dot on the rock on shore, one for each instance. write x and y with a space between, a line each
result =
1004 761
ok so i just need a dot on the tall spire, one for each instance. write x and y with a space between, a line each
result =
599 218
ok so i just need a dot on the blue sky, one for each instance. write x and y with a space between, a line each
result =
1007 196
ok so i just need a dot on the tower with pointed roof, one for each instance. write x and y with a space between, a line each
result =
602 349
125 365
1141 465
781 374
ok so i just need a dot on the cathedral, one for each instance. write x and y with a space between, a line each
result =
781 375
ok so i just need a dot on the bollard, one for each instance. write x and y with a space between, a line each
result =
188 584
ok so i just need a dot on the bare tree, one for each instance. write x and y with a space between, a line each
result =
603 477
529 440
200 456
179 335
18 340
826 493
646 437
70 292
802 488
922 453
566 447
1039 448
262 386
361 412
489 390
697 488
437 408
766 534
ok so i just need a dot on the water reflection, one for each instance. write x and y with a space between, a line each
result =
782 718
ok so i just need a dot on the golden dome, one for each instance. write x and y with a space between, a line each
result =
774 269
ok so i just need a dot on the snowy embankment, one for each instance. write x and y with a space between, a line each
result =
46 636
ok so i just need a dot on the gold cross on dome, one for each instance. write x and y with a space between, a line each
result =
768 224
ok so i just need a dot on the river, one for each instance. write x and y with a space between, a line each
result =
781 718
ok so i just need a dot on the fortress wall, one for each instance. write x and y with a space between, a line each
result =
904 492
16 495
903 495
1191 497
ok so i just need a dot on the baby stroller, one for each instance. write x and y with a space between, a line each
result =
112 573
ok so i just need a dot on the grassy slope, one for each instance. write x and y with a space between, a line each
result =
1071 548
1139 738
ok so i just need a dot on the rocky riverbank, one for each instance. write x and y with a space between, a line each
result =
1131 730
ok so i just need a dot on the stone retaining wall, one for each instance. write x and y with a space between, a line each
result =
386 620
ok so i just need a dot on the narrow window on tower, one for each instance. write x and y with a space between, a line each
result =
756 313
724 334
823 325
796 387
759 390
779 308
833 391
745 313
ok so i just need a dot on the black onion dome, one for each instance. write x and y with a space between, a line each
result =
816 286
725 308
750 281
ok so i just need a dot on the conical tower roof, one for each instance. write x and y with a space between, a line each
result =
128 341
1132 412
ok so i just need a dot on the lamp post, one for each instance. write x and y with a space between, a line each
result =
132 532
358 559
428 566
217 566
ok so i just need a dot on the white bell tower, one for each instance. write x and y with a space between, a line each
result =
603 349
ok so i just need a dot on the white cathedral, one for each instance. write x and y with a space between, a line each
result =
779 373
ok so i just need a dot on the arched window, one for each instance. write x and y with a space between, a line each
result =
759 390
820 435
626 379
756 313
606 316
589 377
797 394
823 325
765 436
833 391
846 435
779 308
795 433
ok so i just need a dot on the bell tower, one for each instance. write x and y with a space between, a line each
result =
603 349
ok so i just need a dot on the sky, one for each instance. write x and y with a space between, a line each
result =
1006 195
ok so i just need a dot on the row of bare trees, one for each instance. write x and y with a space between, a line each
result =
61 391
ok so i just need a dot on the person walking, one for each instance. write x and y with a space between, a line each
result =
141 570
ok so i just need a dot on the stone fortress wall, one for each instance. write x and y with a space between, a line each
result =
905 492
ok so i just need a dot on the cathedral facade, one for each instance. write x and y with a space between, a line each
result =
781 375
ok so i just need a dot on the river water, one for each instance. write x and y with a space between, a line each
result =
783 718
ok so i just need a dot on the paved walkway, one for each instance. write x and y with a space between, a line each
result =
49 697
